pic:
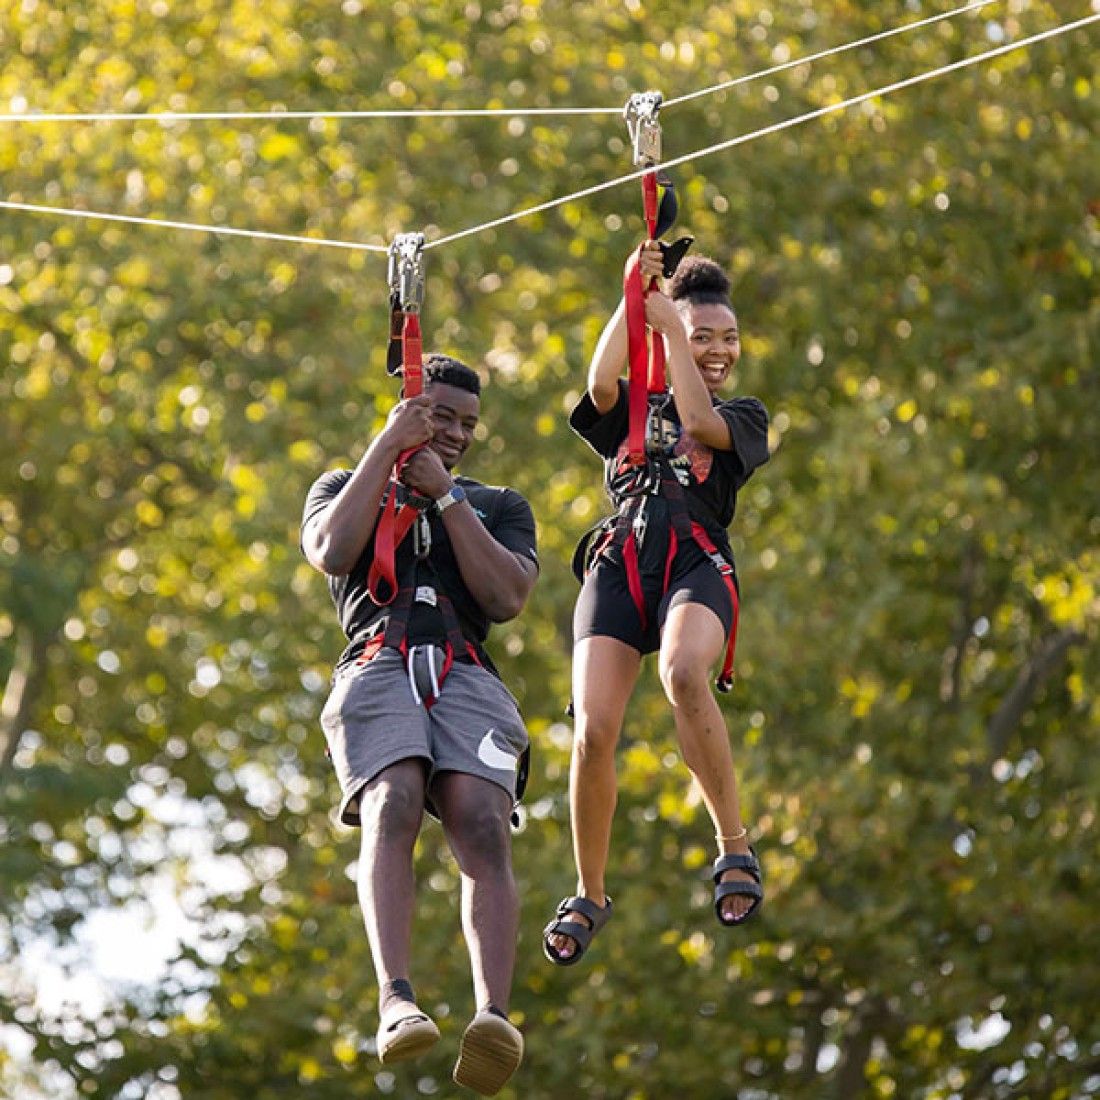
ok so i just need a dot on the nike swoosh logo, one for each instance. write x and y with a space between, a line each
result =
492 756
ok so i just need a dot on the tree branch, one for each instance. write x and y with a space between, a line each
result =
20 692
813 1042
951 678
851 1078
1050 654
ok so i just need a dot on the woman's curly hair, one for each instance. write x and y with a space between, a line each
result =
700 281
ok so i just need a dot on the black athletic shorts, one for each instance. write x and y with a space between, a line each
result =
605 607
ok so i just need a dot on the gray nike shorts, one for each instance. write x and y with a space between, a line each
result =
372 720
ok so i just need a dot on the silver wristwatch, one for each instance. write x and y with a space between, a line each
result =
452 496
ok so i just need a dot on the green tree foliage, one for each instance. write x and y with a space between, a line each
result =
915 711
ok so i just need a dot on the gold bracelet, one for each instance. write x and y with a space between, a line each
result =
736 836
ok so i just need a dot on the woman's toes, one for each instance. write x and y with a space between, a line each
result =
563 945
735 906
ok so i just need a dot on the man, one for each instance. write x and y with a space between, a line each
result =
418 717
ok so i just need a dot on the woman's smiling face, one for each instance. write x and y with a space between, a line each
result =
714 338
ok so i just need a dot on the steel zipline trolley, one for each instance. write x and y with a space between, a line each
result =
406 282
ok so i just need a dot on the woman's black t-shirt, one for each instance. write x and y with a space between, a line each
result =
710 478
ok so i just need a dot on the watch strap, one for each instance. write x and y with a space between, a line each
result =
453 495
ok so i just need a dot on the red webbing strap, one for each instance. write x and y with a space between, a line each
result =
382 568
413 386
686 527
645 354
392 527
725 677
412 356
393 524
621 534
670 557
650 202
637 359
655 380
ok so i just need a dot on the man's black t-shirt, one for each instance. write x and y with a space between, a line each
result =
504 512
710 478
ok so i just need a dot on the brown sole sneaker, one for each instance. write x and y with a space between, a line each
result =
491 1052
405 1032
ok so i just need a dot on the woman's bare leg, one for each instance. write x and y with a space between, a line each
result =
605 671
692 642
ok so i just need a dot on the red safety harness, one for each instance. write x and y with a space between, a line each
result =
395 634
626 532
405 356
647 395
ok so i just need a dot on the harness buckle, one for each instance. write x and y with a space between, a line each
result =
654 424
422 536
640 115
406 271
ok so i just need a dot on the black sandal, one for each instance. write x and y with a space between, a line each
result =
734 862
579 932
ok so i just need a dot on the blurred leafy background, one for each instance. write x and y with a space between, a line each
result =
915 716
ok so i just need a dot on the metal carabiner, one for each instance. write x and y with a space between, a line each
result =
406 271
422 536
640 114
654 424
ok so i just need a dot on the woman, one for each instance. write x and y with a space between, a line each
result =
659 579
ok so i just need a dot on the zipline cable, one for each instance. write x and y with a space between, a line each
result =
782 67
194 226
765 131
595 189
460 112
278 113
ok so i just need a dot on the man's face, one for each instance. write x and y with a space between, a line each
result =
454 415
